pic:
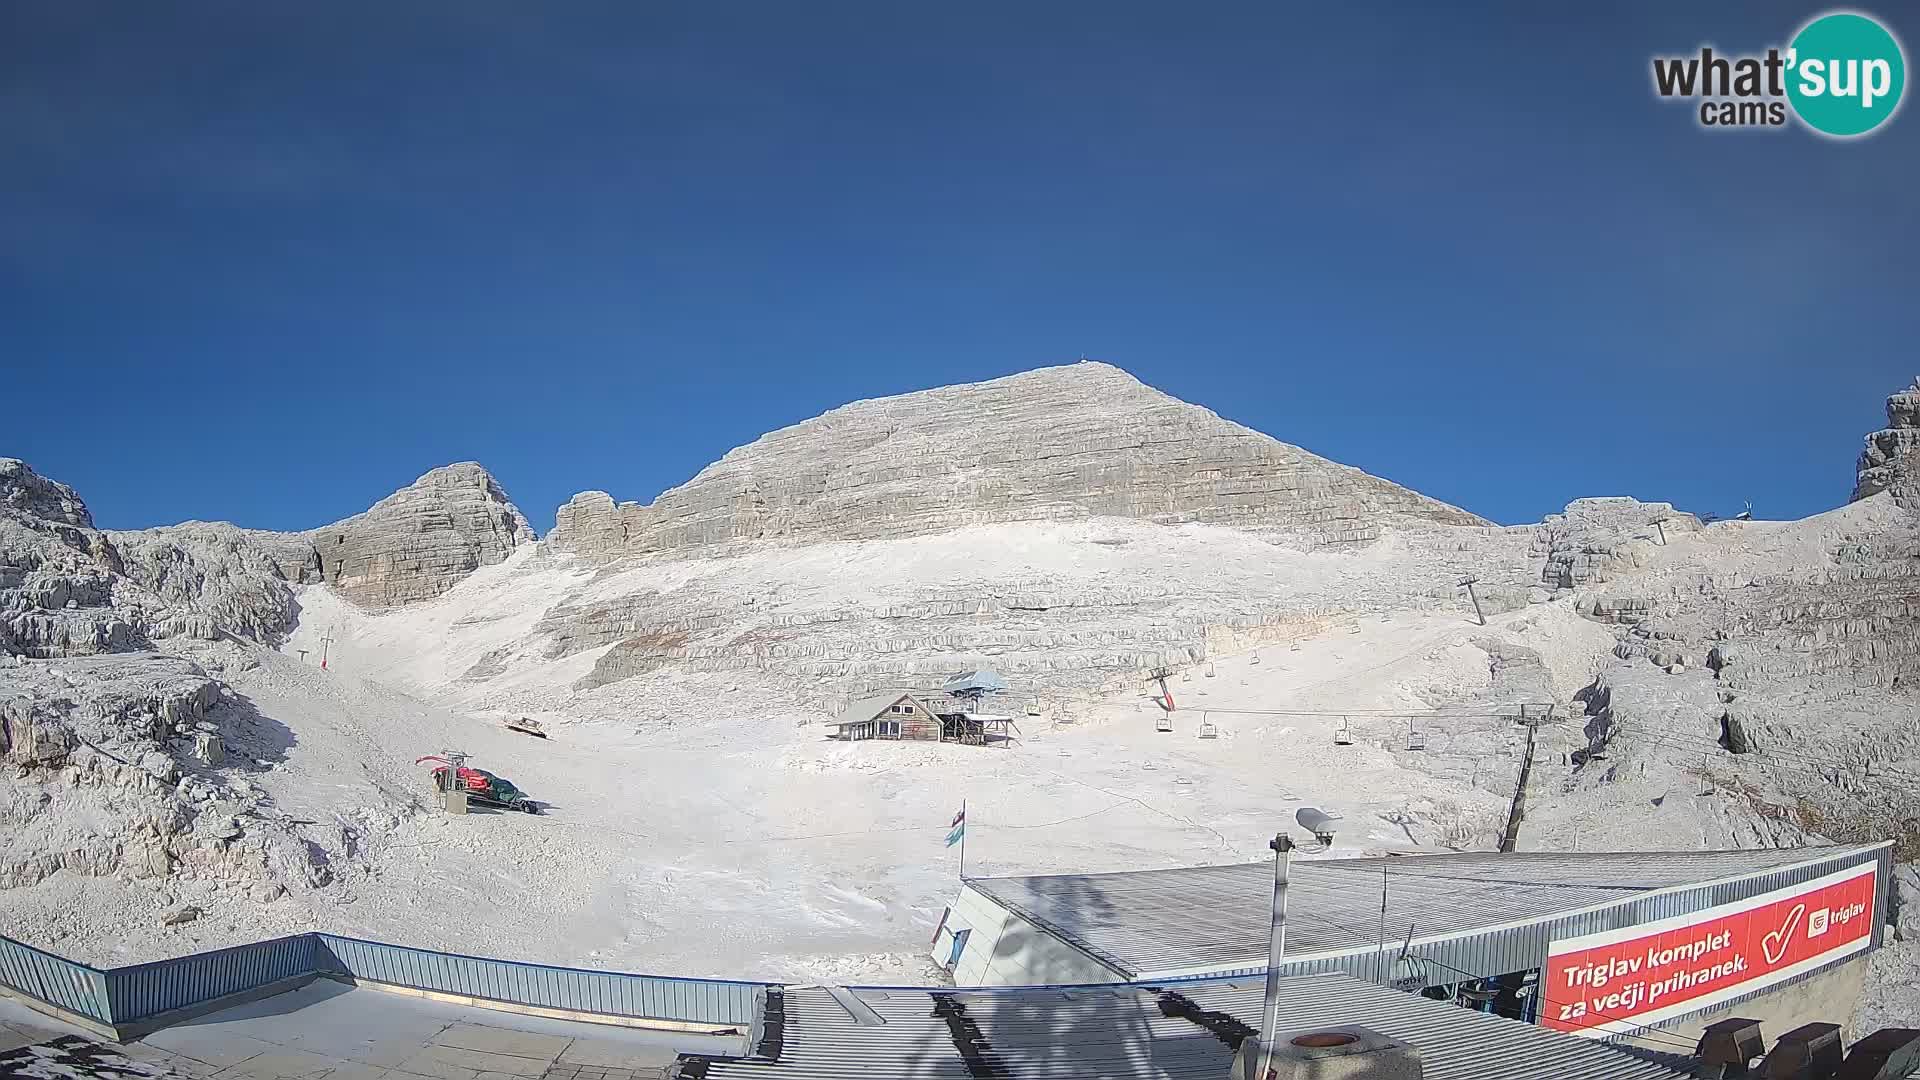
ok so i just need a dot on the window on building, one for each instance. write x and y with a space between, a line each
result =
908 709
894 708
889 729
959 946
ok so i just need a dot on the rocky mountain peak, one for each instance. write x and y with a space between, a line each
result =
423 539
1057 443
25 491
1891 460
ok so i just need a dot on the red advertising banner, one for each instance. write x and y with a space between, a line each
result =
1620 980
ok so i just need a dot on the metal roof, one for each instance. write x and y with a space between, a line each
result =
1182 1030
1201 918
981 680
864 709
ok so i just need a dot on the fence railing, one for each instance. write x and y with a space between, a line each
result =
147 990
608 993
54 980
128 996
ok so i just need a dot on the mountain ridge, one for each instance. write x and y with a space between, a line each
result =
1054 443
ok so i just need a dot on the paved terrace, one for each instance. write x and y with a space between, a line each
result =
329 1031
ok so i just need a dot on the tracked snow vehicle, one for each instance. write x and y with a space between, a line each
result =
481 787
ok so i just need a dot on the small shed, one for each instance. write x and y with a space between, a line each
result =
976 729
888 716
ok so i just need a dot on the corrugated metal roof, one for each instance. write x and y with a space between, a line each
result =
1216 917
1185 1030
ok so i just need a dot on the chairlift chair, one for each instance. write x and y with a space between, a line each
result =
1033 708
1343 735
1208 731
1164 723
1209 671
1254 659
1416 739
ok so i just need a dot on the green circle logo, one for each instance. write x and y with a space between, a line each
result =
1845 74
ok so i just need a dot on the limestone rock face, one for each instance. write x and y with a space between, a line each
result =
214 571
291 555
423 539
1596 539
26 492
1057 443
68 589
1891 460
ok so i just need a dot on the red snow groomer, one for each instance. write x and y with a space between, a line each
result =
480 785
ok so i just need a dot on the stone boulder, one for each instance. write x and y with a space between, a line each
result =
1060 443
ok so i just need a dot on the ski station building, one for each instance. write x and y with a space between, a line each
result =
1596 944
1654 966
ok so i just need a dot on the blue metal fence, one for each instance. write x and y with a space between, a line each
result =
129 995
55 980
145 990
719 1002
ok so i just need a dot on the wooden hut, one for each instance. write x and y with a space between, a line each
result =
892 715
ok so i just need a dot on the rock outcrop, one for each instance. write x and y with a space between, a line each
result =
213 570
1059 443
1595 539
96 722
26 492
422 540
58 575
1891 460
68 589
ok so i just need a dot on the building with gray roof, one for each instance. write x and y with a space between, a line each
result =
1418 921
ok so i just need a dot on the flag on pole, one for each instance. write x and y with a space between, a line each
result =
959 828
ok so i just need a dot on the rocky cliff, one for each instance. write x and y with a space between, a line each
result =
114 737
1060 443
27 493
419 541
1891 460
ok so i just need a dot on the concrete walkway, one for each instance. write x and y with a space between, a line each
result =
330 1031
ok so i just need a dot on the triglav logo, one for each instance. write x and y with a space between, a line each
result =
1842 76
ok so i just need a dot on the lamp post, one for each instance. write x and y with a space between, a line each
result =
1282 846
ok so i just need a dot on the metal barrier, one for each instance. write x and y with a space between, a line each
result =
124 998
57 981
146 990
719 1002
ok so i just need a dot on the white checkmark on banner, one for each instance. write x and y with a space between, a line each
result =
1775 944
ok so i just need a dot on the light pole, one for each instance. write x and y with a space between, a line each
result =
1282 846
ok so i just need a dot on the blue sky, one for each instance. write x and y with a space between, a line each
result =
267 262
